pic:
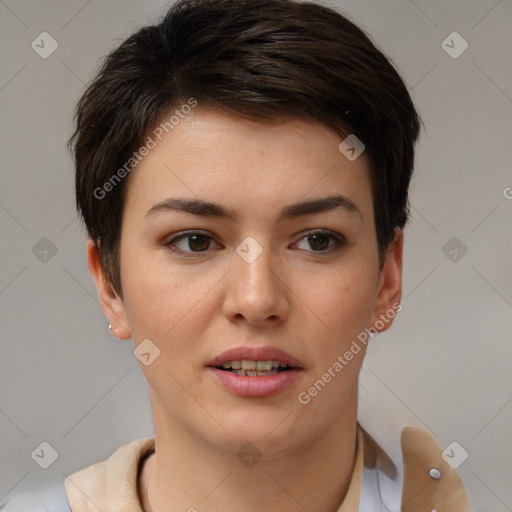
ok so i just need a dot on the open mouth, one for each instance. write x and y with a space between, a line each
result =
256 372
247 368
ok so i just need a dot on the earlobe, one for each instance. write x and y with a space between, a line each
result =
110 302
389 294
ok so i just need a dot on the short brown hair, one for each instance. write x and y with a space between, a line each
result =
263 59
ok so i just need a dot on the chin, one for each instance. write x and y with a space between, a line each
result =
270 428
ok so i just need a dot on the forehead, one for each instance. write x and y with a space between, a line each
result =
225 158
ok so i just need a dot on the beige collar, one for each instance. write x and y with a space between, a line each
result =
112 485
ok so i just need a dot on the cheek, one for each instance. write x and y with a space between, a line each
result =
343 303
170 305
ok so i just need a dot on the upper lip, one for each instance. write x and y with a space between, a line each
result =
266 353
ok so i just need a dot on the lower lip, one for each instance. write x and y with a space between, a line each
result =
258 386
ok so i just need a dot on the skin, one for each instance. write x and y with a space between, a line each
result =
296 295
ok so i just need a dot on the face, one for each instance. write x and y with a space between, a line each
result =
261 282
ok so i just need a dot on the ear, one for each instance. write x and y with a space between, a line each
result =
111 303
389 293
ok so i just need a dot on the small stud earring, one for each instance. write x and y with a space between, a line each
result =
112 331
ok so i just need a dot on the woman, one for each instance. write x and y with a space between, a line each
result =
242 169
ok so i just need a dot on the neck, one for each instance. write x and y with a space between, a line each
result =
185 475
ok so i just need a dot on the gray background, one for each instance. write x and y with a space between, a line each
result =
444 365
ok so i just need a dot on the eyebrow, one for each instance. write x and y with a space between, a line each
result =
210 209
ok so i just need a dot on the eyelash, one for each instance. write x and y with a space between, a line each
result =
339 242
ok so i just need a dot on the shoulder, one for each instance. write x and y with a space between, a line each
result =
428 476
112 478
416 477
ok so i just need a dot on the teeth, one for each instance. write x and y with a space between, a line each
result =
248 365
264 365
248 368
256 373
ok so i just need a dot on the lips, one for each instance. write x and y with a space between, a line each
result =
255 372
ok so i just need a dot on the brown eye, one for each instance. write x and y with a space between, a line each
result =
191 242
199 242
320 241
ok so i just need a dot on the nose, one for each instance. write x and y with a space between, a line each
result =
256 289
